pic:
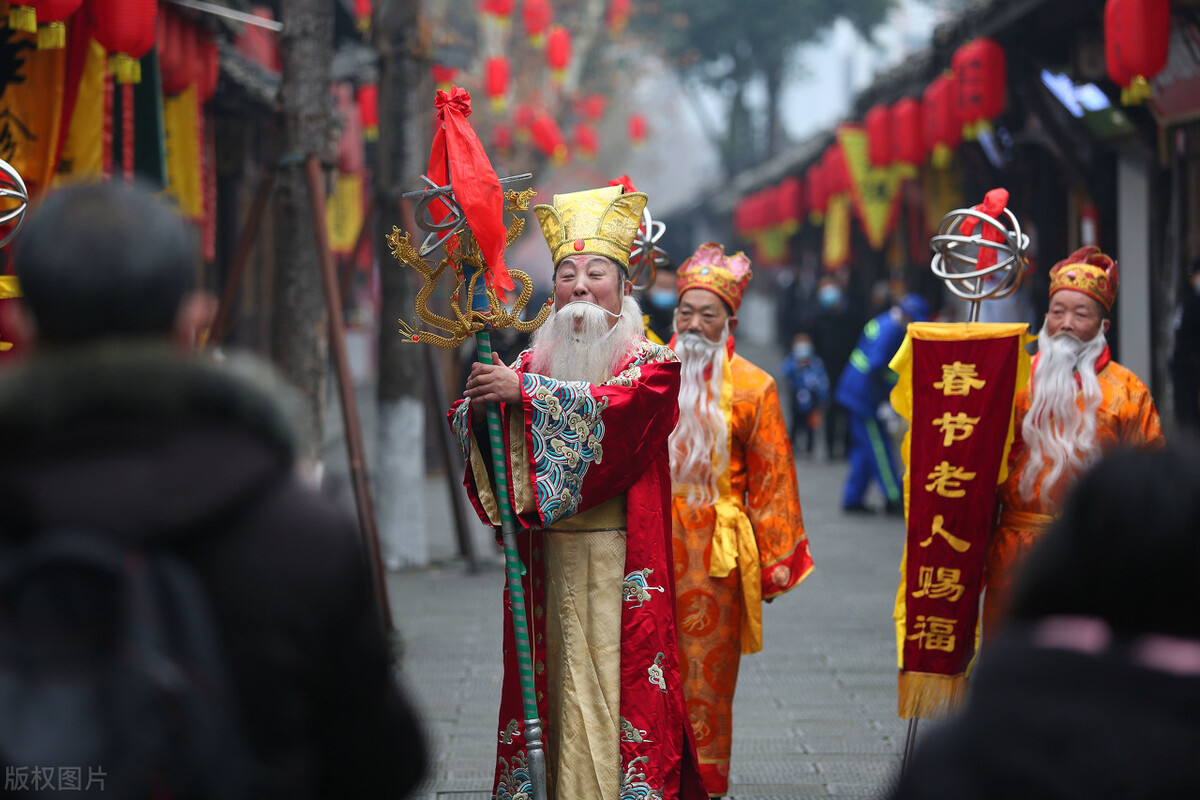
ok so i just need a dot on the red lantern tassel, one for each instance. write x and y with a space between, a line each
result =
52 36
127 150
22 18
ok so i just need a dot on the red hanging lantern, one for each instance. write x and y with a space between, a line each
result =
368 108
837 177
943 130
443 76
523 116
255 42
791 201
125 28
207 65
537 16
497 11
177 50
878 125
591 107
587 141
980 83
362 15
495 81
502 138
1139 31
637 129
818 196
51 22
558 51
908 146
548 137
618 14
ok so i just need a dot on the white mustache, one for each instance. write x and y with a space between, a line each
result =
593 305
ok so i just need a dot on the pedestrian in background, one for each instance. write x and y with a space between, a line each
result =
863 390
808 385
1093 689
835 328
115 428
1185 358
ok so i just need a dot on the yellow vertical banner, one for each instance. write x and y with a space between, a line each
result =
83 150
942 195
876 190
31 97
836 245
181 122
344 213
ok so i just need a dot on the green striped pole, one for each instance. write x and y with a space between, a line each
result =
535 754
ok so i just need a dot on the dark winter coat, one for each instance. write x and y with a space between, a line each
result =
143 445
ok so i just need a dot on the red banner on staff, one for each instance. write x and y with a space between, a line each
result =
956 389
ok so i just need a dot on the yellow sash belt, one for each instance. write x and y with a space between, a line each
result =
733 542
1025 520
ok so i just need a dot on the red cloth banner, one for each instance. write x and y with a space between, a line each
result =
957 386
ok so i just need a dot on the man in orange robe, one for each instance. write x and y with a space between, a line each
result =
738 535
1079 404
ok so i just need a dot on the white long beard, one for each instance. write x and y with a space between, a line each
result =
699 445
594 352
1055 427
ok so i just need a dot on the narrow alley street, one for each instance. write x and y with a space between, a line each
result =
815 712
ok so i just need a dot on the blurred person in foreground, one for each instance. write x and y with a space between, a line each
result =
1079 404
114 425
863 390
738 531
1092 690
588 409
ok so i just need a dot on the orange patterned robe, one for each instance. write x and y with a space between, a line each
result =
1126 418
720 617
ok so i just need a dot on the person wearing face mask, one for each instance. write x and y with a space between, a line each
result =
1079 405
835 329
660 301
737 528
809 385
587 411
1185 358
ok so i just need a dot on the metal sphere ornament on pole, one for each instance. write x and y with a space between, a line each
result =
12 187
987 265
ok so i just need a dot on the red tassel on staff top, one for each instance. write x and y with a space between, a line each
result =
457 150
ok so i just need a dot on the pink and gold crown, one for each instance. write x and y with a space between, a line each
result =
1089 271
709 268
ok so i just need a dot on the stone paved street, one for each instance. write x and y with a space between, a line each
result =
814 712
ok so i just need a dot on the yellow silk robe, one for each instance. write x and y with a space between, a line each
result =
1126 418
764 544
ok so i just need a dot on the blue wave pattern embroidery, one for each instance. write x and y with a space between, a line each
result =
633 782
514 779
567 431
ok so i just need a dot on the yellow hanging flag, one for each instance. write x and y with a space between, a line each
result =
876 190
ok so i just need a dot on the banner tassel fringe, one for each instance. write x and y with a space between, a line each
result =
926 695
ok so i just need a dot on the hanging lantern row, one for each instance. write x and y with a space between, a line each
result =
1136 38
45 17
502 138
537 16
775 208
837 177
816 195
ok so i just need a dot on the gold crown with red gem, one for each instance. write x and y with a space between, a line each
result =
1089 271
600 222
